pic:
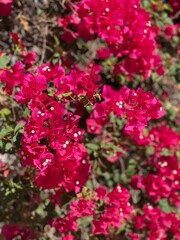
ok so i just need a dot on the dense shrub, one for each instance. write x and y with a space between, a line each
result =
89 139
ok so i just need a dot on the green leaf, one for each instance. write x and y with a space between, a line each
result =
14 138
166 152
4 60
68 94
119 149
18 127
1 144
112 117
172 113
164 205
124 178
5 112
26 112
92 147
56 39
130 171
178 155
89 184
176 39
89 109
8 146
8 192
12 184
41 211
84 221
121 229
167 7
150 150
5 131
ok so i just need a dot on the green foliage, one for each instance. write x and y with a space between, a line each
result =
5 112
4 60
164 205
131 169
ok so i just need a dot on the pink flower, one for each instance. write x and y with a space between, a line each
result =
12 78
67 223
11 231
169 31
116 209
61 162
160 137
124 27
5 7
82 208
68 237
103 53
137 106
175 5
133 236
164 183
102 192
32 86
17 40
29 58
137 182
162 225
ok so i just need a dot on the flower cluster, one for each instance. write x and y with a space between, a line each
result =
137 106
80 121
52 143
15 231
172 30
155 224
175 6
125 28
109 210
52 140
28 57
160 138
164 183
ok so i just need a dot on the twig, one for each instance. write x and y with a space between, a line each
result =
121 161
176 15
44 45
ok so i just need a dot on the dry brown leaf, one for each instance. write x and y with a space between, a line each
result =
24 22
